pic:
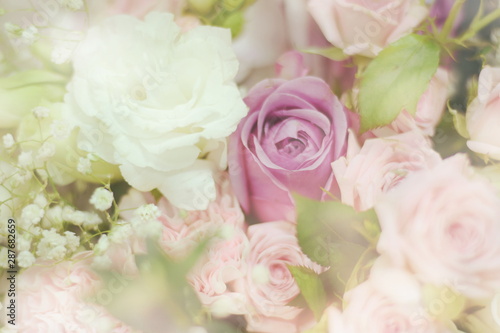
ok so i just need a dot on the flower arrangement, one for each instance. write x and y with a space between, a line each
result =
267 166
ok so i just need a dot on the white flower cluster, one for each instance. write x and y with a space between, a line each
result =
102 199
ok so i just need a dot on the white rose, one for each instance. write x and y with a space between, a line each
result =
157 102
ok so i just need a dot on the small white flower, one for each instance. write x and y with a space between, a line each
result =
29 35
60 129
53 217
25 159
260 274
23 243
47 150
8 141
148 212
21 177
41 112
84 166
25 259
41 200
102 199
92 220
60 55
52 246
102 262
102 245
31 215
146 228
72 241
120 233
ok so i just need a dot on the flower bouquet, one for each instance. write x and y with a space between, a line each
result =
268 166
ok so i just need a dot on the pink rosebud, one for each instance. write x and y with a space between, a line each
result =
224 259
483 118
366 27
269 286
389 301
367 172
54 297
293 131
291 65
444 225
430 107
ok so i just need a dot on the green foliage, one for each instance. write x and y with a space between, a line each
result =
396 79
335 235
159 299
332 53
311 288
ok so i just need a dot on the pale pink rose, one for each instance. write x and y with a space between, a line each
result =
291 65
366 27
273 28
223 262
365 173
389 301
268 284
430 107
444 225
53 297
483 118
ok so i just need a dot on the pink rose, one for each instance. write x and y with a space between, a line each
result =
52 298
444 225
366 27
367 172
269 285
223 261
483 118
293 131
389 301
291 65
272 27
430 107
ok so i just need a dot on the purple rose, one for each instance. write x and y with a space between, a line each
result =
291 135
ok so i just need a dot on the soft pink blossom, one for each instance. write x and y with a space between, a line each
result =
389 301
379 165
53 297
483 118
366 27
444 225
224 259
268 284
291 65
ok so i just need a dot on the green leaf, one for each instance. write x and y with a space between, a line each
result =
333 53
396 79
326 229
311 288
459 122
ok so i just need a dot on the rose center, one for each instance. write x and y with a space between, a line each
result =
290 147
